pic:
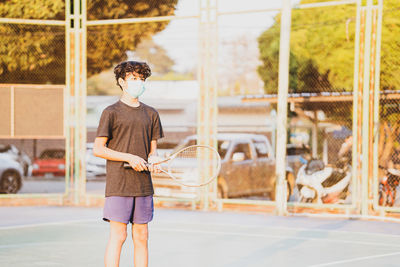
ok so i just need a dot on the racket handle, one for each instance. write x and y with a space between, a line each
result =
126 165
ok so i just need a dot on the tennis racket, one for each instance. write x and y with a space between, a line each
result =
192 166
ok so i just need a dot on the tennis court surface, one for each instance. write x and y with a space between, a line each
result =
76 236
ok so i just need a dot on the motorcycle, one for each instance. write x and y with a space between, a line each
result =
318 183
387 188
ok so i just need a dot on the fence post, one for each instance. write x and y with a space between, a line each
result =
207 102
377 106
82 102
67 101
365 112
355 128
77 76
283 86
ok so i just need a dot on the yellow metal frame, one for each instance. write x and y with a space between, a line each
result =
52 198
75 115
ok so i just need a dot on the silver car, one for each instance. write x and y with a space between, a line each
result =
11 173
18 155
95 166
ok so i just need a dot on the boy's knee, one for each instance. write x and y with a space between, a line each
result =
140 235
119 236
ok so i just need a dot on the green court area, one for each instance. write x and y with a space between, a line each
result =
76 236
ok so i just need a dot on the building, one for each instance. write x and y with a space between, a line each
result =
177 103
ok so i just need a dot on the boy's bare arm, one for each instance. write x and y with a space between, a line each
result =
100 150
153 157
153 148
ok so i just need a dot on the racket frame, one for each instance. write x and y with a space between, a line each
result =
171 157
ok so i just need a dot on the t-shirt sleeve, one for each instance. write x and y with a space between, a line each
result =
105 124
157 131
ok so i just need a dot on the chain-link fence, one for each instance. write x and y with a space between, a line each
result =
32 77
386 179
218 57
320 112
246 131
166 36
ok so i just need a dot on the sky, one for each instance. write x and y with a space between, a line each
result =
181 37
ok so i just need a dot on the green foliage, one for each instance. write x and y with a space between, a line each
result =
32 9
36 54
32 54
322 45
322 49
390 53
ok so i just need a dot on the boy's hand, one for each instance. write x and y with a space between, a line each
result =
137 163
154 167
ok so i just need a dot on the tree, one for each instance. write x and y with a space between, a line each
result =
269 55
322 59
36 54
324 39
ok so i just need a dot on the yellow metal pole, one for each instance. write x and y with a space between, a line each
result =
32 21
365 112
283 87
202 107
355 105
214 96
376 105
207 104
83 93
67 95
76 98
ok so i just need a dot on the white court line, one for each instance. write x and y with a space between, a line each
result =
34 244
25 244
213 232
356 259
344 216
229 233
282 227
201 224
176 223
155 228
276 236
45 243
45 224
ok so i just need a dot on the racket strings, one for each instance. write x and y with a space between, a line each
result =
195 165
189 153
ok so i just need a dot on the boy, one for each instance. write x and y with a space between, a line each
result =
128 132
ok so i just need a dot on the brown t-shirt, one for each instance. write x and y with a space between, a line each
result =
129 130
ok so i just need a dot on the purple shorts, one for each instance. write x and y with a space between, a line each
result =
129 209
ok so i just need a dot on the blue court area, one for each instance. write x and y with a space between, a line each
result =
75 236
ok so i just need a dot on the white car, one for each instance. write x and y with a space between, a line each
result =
95 166
19 156
11 173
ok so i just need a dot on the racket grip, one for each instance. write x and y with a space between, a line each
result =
126 165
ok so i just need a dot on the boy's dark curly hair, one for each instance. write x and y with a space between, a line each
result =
125 67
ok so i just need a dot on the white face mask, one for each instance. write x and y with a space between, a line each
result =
135 88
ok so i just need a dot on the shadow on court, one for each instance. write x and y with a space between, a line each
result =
75 236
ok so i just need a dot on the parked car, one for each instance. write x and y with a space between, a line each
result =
50 163
95 166
247 169
19 156
11 173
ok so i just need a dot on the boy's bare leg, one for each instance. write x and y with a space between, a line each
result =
114 245
140 237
